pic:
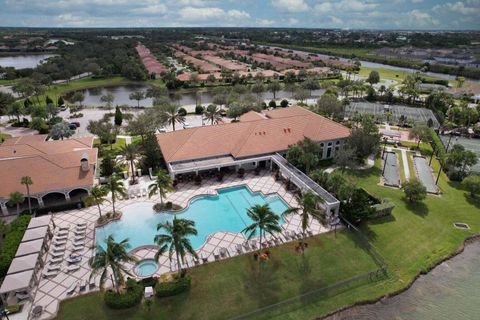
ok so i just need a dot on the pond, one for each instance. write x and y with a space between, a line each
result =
122 93
449 291
24 61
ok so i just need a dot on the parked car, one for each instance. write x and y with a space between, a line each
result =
63 107
72 126
186 125
76 123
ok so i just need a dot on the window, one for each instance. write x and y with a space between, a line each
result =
337 143
329 144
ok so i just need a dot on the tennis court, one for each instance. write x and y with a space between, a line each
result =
469 144
424 174
417 115
391 175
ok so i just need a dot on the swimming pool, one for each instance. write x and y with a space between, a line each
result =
224 212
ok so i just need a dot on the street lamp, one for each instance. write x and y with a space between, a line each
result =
448 144
433 152
439 171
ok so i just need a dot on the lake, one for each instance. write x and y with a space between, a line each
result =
122 93
24 61
450 291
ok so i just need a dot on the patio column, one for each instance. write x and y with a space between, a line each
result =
40 202
3 205
67 196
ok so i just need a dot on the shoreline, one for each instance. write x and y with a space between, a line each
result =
351 307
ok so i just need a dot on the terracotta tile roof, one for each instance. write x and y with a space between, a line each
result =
252 116
280 128
52 165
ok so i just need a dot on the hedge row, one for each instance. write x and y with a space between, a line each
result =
438 145
131 297
174 287
12 240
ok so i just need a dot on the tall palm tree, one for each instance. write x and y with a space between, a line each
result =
97 197
212 114
116 187
130 152
27 182
16 198
264 220
307 209
169 114
163 184
112 258
175 239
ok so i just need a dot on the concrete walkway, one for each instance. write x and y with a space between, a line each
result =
406 168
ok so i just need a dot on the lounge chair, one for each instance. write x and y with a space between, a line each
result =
79 243
55 260
91 282
57 254
80 233
59 242
62 237
51 267
62 233
63 228
22 295
74 259
79 238
204 259
286 235
245 245
72 288
50 273
239 248
59 249
82 228
77 248
72 267
253 244
81 224
277 241
83 285
216 255
223 252
310 233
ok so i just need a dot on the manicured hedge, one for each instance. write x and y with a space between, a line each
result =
174 287
58 208
12 240
383 209
131 297
437 145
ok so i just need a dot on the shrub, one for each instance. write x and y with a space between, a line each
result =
414 190
383 209
59 207
131 297
284 103
173 287
272 104
12 240
472 184
198 110
182 112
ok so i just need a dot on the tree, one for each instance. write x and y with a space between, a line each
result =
212 114
175 239
78 96
108 100
301 94
272 104
105 130
310 84
459 160
169 113
472 184
373 77
329 105
137 95
97 197
156 92
344 157
111 259
284 103
116 188
264 221
16 198
130 152
107 166
419 133
27 182
258 88
39 124
6 99
162 184
305 154
364 139
274 87
414 190
152 155
118 119
308 210
61 130
16 110
144 123
211 78
355 203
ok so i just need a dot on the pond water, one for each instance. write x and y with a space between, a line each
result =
24 61
450 291
122 93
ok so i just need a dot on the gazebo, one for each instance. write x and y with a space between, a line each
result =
18 285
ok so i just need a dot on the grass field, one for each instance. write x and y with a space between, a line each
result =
412 240
400 162
4 136
392 74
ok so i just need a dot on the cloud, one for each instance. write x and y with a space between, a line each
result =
344 6
471 7
292 6
153 9
264 22
211 14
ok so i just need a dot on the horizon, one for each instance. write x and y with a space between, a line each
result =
407 15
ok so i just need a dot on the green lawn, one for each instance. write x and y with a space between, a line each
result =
235 286
387 74
4 136
412 240
116 147
400 162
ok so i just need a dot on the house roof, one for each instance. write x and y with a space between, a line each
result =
52 165
274 132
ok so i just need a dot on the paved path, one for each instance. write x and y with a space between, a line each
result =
406 168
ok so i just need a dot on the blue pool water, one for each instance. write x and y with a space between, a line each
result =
225 212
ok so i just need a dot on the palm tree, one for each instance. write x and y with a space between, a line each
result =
307 209
176 239
16 198
130 152
162 184
116 187
112 258
169 114
212 114
264 220
27 182
97 197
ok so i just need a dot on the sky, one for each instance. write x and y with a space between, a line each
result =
345 14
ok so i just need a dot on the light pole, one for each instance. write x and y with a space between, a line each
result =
384 163
439 171
448 144
433 152
384 146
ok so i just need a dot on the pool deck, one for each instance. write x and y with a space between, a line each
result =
50 291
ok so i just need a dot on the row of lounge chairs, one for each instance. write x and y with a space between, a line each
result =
132 194
82 285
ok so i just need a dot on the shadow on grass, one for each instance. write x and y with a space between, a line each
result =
260 281
419 208
474 201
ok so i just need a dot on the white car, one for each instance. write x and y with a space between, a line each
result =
186 125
